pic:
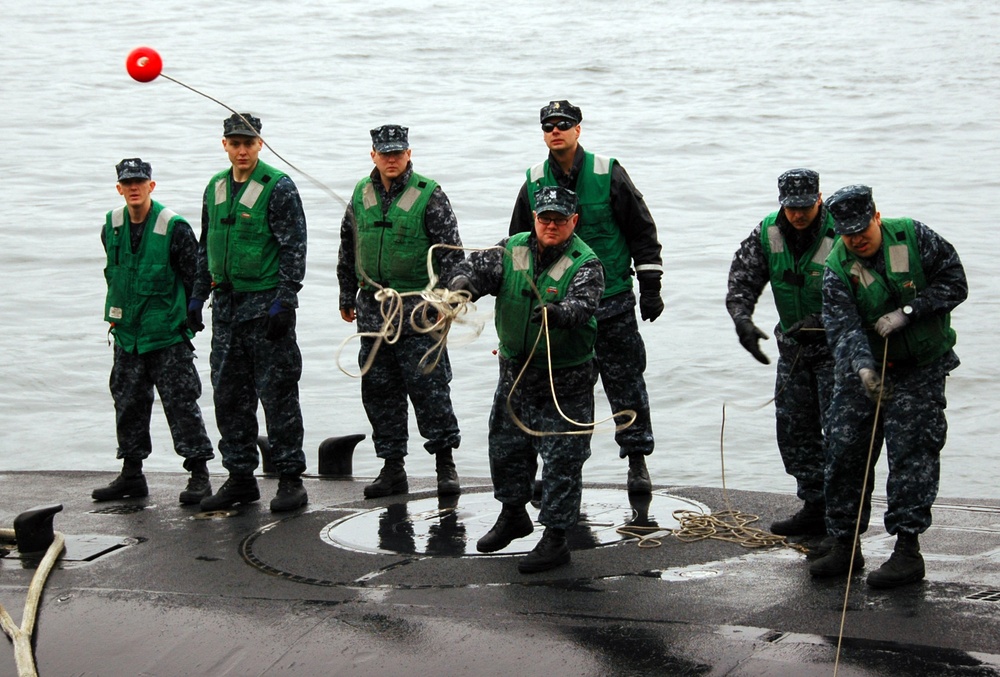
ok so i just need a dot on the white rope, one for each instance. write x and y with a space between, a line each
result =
21 636
437 311
861 505
589 428
435 314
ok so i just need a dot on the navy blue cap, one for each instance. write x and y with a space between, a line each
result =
235 125
798 188
390 138
852 209
555 199
560 109
134 168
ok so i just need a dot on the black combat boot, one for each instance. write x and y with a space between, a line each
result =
198 487
809 521
821 548
129 483
291 494
837 560
904 566
551 552
513 522
391 480
447 476
236 489
638 475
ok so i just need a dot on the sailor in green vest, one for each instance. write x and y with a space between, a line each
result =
617 225
788 250
547 273
252 258
152 261
393 219
888 293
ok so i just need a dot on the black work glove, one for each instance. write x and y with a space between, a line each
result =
557 315
750 337
807 330
194 317
463 283
280 320
650 303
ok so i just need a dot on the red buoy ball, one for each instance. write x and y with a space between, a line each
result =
144 64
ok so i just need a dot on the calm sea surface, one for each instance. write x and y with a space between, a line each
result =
704 103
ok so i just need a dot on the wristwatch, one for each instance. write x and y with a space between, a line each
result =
908 310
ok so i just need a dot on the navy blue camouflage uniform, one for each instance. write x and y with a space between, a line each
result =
246 367
911 417
512 451
621 353
395 373
804 381
171 371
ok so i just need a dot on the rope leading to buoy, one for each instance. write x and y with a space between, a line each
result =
21 636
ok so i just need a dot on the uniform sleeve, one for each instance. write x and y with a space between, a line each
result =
184 255
521 220
203 279
288 225
748 275
947 285
636 223
442 228
584 294
844 331
347 276
484 269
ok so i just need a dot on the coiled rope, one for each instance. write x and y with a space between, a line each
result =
21 636
435 314
732 526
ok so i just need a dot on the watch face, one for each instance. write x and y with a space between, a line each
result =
907 310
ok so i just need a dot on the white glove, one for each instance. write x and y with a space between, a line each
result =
891 322
872 383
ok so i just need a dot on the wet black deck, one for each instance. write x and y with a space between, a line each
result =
394 586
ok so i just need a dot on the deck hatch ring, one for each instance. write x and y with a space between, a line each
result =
985 596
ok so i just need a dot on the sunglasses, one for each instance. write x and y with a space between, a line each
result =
559 221
562 126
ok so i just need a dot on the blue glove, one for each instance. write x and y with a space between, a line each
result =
194 317
280 320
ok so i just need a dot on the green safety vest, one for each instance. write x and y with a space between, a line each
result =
597 225
392 248
146 302
797 285
921 341
242 250
516 299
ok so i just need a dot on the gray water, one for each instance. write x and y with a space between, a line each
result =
704 103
